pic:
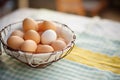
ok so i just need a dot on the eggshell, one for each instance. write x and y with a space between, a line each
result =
60 39
44 48
58 45
32 35
58 31
29 24
29 45
15 42
46 25
48 36
18 33
66 35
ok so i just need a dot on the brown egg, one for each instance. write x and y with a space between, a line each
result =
15 42
58 45
28 45
17 33
46 25
44 48
32 35
29 24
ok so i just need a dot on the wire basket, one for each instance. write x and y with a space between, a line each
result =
40 60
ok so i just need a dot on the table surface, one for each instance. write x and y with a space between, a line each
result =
94 34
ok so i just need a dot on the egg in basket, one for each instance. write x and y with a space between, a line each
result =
37 43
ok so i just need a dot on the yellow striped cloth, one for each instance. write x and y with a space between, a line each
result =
98 60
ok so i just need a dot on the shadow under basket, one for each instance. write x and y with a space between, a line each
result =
40 60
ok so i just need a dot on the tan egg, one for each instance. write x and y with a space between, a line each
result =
32 35
17 33
48 36
46 25
58 45
28 45
44 48
60 39
29 24
15 42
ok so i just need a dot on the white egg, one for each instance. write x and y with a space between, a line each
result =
48 36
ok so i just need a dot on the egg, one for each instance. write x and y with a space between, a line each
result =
48 36
66 35
46 25
58 45
60 39
15 42
17 33
32 35
29 24
58 30
44 48
28 45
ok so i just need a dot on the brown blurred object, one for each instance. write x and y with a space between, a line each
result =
23 3
94 7
112 11
70 6
2 3
81 7
6 6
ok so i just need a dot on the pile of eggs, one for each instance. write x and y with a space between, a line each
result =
36 37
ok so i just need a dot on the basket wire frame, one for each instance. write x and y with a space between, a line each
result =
15 53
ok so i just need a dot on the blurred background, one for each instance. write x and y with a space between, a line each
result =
108 9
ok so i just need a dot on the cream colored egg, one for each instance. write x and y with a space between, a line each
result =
58 45
60 39
15 42
48 36
29 24
67 35
18 33
29 45
58 30
32 35
44 48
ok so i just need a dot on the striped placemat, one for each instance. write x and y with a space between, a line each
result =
61 70
85 68
98 43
